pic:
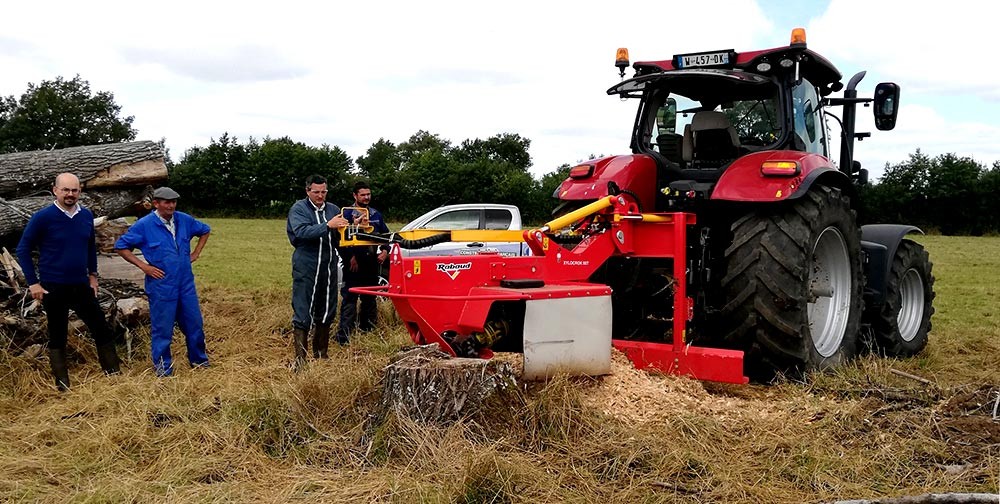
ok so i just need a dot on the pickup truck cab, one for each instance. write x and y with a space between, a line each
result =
486 216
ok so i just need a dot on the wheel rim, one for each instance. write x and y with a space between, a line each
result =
829 292
911 304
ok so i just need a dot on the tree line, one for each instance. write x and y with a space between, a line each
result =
946 193
263 178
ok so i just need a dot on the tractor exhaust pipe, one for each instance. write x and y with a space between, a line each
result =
850 113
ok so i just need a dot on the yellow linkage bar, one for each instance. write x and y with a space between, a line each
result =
478 235
458 235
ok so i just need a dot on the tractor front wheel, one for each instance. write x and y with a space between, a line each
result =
902 324
793 285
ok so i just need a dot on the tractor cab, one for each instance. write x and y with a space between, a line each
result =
700 112
702 115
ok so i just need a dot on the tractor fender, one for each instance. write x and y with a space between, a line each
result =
634 173
879 242
743 180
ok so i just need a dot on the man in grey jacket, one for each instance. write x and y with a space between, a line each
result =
312 230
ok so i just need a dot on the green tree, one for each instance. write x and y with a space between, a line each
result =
951 186
61 113
900 195
207 176
381 166
987 190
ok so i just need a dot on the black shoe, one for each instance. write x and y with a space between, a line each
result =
57 362
301 342
108 357
321 341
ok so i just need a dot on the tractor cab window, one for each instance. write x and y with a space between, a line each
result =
809 134
756 121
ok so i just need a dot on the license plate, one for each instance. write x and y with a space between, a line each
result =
704 59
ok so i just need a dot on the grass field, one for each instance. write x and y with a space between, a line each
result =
249 430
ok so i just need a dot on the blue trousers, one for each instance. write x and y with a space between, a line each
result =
186 313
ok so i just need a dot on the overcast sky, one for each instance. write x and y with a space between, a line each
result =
347 75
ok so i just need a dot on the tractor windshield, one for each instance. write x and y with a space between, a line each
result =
734 112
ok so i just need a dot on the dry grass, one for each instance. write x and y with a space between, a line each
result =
247 429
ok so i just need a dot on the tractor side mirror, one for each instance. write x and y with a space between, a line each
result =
886 105
666 116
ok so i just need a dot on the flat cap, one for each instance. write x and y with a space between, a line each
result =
165 193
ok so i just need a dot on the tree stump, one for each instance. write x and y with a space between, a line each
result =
430 386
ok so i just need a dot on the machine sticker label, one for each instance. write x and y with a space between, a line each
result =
416 267
576 263
453 269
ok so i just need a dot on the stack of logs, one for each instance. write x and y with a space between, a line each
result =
22 320
118 180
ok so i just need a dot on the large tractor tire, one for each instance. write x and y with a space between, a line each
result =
794 285
900 328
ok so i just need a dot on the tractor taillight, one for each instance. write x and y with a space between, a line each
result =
581 171
779 168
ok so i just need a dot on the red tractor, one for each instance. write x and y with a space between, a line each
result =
726 242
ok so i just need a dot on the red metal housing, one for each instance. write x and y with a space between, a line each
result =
436 296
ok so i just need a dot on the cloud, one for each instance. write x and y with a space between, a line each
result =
244 63
922 127
946 49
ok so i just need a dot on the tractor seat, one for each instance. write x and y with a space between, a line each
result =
710 141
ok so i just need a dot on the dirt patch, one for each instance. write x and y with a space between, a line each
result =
967 418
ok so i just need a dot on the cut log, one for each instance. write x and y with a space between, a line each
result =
133 311
429 386
107 232
32 173
14 214
112 202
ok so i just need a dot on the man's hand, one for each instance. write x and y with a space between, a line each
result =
354 264
37 292
152 271
337 221
382 254
195 255
93 284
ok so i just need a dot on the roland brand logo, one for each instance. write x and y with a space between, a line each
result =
453 269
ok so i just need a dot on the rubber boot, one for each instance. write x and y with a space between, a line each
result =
57 361
108 357
321 341
301 344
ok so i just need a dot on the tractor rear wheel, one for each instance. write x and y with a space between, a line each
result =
793 285
901 326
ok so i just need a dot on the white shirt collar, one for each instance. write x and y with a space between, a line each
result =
71 212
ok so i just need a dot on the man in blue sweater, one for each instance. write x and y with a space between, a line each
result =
164 236
64 235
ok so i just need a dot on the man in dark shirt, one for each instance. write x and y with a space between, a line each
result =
64 235
361 266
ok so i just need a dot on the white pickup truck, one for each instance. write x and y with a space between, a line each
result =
486 216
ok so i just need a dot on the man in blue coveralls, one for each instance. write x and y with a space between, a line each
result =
361 265
312 230
164 237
